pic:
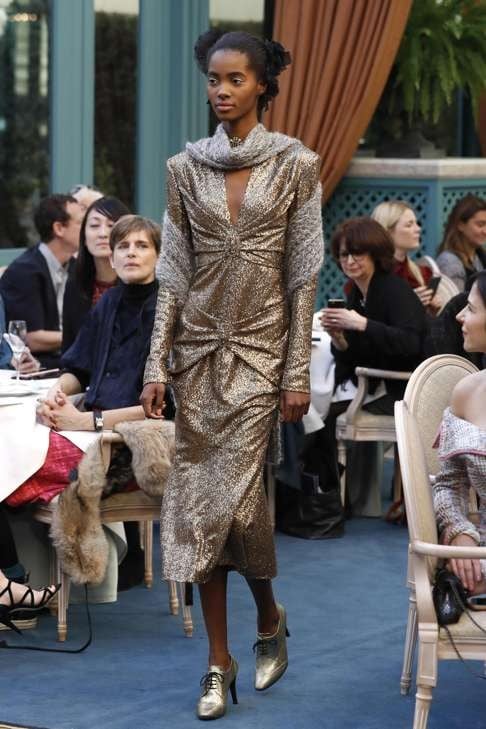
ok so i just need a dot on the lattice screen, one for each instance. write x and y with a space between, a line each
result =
451 195
349 202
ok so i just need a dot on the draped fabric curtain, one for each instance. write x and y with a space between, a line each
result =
342 53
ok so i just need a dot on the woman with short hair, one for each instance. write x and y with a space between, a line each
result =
381 326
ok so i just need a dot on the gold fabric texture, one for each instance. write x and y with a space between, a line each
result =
229 338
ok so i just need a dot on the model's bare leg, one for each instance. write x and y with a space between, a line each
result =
213 603
268 615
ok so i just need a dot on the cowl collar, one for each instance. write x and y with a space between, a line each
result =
257 147
460 437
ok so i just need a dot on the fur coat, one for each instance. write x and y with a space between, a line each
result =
146 455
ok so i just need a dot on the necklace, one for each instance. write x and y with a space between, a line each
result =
235 141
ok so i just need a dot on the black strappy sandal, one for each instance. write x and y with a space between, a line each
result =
27 603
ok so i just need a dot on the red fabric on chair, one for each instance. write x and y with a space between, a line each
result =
52 477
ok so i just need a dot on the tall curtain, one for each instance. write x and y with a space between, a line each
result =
342 53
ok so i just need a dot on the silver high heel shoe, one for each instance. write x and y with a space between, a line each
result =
271 654
215 684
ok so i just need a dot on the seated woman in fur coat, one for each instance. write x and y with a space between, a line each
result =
106 361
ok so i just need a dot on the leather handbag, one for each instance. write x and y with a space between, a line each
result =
450 602
449 597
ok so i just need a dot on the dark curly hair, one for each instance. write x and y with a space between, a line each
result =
364 235
266 58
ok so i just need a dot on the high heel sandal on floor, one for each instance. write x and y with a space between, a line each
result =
271 654
215 684
26 604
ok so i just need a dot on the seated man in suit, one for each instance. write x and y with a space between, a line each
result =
33 285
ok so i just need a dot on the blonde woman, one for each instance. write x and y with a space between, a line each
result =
400 221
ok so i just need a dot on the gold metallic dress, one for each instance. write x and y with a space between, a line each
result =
236 339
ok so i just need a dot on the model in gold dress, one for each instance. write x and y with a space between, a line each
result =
241 252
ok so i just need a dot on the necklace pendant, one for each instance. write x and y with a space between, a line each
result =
235 141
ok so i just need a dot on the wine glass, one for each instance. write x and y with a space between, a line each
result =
17 331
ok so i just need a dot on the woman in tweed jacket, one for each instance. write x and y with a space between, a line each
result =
462 450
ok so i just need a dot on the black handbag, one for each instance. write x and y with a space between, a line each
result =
449 597
450 602
309 512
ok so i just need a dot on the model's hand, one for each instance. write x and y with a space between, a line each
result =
468 570
152 399
342 319
293 405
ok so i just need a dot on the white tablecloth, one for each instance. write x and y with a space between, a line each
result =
23 449
23 441
321 378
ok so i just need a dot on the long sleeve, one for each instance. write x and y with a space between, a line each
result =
296 373
174 271
451 500
303 260
452 266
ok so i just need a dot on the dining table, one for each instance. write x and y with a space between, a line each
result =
24 443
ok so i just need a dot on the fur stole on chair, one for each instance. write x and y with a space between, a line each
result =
76 530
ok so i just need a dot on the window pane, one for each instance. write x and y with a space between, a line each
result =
115 97
231 15
24 110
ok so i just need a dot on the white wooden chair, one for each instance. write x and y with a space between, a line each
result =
133 506
424 550
427 395
359 425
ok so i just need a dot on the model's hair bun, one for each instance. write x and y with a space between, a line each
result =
203 45
277 57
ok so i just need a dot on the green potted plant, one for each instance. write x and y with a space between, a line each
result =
443 50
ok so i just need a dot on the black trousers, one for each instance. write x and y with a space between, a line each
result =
8 553
361 453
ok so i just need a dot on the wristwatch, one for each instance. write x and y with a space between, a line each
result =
97 420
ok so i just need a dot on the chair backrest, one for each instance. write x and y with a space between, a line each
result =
415 478
427 395
430 263
446 290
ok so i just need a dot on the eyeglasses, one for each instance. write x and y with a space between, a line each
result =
356 257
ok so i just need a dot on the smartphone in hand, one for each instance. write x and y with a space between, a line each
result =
434 283
336 304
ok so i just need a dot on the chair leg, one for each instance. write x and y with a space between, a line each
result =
186 611
409 648
426 677
148 545
173 599
62 601
271 493
342 460
423 699
397 478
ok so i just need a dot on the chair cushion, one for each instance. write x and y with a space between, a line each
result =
465 629
365 422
